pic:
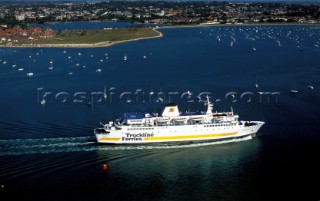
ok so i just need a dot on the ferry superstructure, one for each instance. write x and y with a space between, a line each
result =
175 127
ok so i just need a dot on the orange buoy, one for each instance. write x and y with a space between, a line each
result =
104 167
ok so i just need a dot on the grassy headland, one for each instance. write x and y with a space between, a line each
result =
92 37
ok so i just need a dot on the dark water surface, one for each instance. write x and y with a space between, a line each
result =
48 152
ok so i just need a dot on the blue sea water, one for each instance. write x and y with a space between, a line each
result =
48 152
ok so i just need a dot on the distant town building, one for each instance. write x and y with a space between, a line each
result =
20 17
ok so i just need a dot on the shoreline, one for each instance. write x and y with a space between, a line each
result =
83 45
244 24
109 43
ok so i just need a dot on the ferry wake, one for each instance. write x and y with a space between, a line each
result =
175 127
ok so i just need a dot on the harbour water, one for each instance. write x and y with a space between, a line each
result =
48 150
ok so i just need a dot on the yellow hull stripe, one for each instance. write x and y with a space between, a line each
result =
189 136
109 139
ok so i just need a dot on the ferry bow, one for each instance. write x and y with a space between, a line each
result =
175 127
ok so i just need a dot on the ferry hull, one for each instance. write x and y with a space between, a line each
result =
177 134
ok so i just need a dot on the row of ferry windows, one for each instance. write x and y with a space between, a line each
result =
215 125
140 128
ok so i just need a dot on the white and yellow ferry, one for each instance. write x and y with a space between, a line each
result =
175 127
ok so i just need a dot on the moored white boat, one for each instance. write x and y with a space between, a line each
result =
175 127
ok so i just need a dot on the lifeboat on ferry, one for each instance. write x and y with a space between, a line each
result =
163 120
220 118
196 118
180 119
